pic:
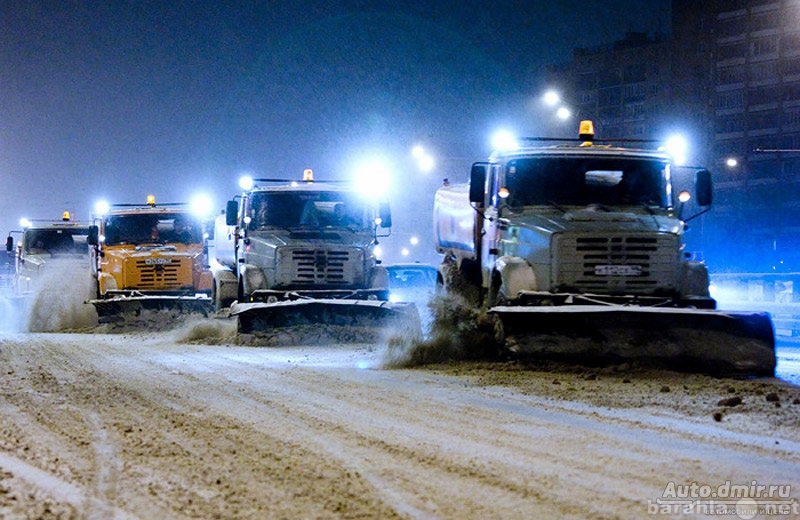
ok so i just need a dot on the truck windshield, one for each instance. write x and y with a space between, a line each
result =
57 241
582 181
307 209
152 228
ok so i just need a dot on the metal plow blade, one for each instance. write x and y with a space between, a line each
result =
706 341
126 308
316 321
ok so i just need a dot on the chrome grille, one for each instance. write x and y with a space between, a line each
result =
648 261
158 276
323 266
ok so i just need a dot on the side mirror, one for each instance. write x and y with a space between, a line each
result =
702 187
385 215
477 183
231 213
9 243
94 236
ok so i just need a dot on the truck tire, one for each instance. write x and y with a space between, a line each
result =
217 295
496 296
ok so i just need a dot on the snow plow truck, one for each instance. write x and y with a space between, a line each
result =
149 257
293 253
61 243
576 251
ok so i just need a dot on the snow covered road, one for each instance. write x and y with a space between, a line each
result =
145 425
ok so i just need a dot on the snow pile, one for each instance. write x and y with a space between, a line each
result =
458 332
206 331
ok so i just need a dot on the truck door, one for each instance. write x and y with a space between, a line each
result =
490 241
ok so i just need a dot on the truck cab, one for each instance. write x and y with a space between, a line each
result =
149 249
44 243
553 224
282 238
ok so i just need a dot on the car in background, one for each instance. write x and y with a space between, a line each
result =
412 282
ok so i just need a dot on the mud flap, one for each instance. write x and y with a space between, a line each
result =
705 341
119 308
374 318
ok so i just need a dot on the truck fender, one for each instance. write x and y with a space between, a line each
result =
379 278
693 279
106 282
254 279
515 275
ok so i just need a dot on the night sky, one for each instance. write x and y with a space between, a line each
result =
122 99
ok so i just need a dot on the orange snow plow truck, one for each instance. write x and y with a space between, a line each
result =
149 257
576 251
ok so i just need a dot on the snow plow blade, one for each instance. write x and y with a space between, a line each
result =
119 308
706 341
347 320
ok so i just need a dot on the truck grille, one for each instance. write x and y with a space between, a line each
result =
323 267
640 264
159 276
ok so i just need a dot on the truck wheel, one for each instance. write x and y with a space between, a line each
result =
496 295
240 292
219 301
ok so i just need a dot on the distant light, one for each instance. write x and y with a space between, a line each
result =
201 205
684 196
101 207
563 113
504 140
677 147
246 183
405 251
551 98
425 161
731 162
414 241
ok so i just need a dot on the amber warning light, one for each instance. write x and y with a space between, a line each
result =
586 131
308 175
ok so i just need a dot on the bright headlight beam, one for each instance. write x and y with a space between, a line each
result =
677 147
246 183
101 207
372 178
504 140
201 205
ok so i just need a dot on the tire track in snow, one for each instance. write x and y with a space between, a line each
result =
61 490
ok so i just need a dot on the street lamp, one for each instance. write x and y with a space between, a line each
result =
551 98
564 111
425 161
